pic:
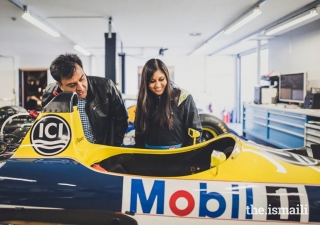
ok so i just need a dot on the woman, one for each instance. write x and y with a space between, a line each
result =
164 113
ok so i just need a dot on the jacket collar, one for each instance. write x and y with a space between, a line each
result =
90 93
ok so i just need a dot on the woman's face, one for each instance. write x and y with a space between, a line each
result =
158 83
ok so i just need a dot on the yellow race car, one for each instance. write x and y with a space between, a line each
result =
57 177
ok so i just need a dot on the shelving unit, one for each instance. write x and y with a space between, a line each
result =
312 136
282 127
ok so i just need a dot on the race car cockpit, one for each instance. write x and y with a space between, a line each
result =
179 162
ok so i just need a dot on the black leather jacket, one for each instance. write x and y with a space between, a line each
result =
185 115
105 109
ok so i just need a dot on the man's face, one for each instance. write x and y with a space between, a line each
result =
77 83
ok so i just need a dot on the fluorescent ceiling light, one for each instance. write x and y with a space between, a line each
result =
256 12
292 22
201 48
26 15
82 50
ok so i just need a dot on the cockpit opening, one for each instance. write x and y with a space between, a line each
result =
169 165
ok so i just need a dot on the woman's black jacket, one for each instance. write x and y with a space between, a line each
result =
185 116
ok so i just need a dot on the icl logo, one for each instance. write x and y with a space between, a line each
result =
46 132
50 135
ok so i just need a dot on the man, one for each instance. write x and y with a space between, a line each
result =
102 111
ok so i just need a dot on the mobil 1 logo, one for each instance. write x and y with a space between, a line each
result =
50 135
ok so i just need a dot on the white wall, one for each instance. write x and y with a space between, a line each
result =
249 74
8 80
9 73
97 66
208 79
220 83
297 50
189 73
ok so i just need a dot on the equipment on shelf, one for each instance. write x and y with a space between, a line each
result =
267 94
312 101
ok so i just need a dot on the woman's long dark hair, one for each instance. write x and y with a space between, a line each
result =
148 109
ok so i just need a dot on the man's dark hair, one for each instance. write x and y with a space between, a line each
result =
63 67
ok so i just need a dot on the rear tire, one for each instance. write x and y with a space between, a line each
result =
212 127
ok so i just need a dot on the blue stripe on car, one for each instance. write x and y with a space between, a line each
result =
58 183
314 203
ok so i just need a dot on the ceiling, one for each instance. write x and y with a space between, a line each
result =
142 26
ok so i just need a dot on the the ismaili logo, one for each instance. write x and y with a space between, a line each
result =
50 135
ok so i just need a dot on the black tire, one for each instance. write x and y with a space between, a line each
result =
212 126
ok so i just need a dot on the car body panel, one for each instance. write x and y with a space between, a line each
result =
52 170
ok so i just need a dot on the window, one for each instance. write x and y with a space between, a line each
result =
249 75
